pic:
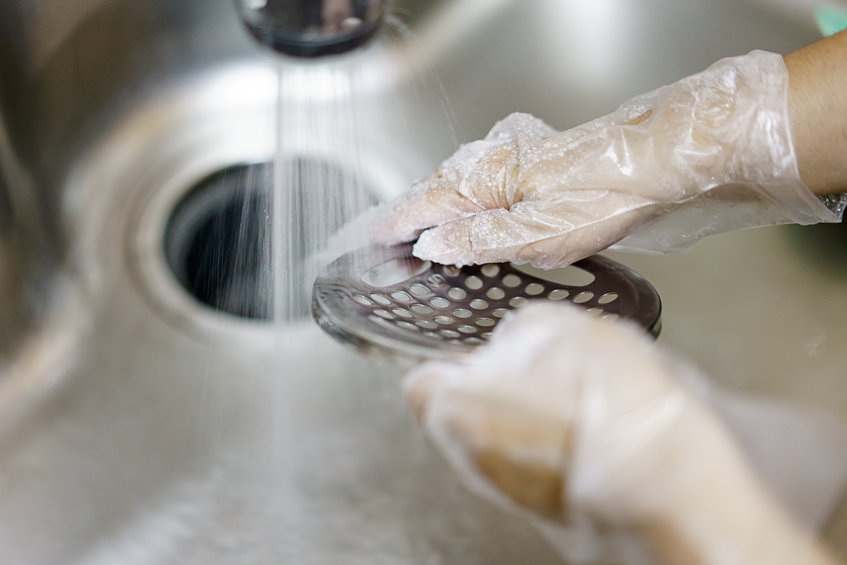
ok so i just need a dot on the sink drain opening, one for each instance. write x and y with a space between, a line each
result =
218 240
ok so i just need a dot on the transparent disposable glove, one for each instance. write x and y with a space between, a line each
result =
585 426
709 153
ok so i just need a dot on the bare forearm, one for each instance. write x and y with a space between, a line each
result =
818 107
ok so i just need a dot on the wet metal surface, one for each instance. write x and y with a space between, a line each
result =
139 426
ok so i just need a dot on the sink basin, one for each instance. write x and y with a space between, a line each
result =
140 425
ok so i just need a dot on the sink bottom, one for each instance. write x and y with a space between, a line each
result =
178 433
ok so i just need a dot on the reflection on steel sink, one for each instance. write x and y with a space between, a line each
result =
138 426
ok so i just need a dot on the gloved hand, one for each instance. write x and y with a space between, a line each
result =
709 153
582 422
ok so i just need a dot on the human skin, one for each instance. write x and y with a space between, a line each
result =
729 517
549 420
818 109
764 130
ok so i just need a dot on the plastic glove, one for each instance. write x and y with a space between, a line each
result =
709 153
583 425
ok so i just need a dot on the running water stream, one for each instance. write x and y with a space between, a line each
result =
318 181
339 472
317 184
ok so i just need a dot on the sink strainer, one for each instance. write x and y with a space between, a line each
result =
386 302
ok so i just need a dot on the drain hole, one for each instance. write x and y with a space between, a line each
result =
218 239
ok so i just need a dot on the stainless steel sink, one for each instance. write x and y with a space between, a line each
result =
138 425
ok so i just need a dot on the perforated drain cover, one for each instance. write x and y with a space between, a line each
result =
387 303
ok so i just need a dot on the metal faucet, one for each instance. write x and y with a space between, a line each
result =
312 28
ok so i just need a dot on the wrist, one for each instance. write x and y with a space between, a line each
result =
817 102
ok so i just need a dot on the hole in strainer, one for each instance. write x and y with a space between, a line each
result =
534 289
490 270
395 271
608 298
473 282
568 276
511 280
421 309
495 293
377 297
479 304
457 293
440 302
558 294
583 297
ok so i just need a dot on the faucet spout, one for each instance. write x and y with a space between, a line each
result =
312 28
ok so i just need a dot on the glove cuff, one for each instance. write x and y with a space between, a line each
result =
737 151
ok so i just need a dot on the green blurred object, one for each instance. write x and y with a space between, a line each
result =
830 20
